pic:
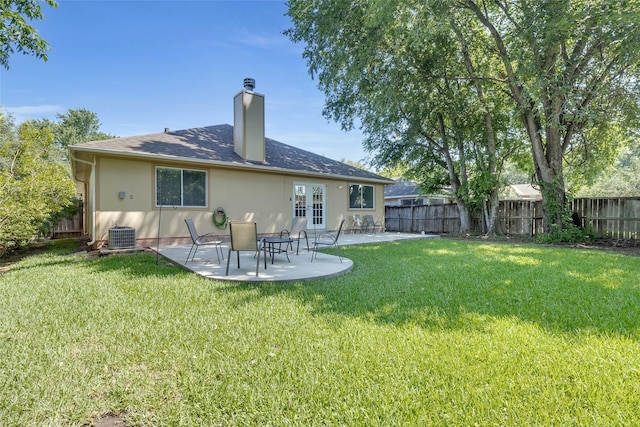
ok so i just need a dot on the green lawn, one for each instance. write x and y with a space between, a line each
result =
427 332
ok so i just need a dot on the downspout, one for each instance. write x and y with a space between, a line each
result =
92 194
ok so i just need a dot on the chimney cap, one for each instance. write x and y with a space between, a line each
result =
249 84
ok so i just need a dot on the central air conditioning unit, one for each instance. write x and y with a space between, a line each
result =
122 238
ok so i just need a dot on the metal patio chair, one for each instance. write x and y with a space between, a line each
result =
358 224
298 231
201 240
328 239
372 224
244 237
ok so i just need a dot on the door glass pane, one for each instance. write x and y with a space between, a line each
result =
318 205
300 202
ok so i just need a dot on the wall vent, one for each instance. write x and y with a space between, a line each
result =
122 238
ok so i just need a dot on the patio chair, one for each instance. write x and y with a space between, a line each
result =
358 223
328 239
244 237
297 232
201 240
372 224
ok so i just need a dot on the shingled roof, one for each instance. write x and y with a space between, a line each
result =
214 144
401 188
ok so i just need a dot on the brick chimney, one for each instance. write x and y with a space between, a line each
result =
248 123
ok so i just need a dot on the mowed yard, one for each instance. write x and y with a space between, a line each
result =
426 332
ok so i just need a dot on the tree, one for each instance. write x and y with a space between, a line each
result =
571 69
355 164
34 185
622 179
398 170
408 72
78 126
16 34
427 80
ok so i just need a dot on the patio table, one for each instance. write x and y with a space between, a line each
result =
270 246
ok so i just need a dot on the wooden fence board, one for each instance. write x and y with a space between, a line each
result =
69 227
609 217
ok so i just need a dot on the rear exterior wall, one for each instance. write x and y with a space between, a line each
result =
125 192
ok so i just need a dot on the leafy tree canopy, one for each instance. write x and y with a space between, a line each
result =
16 32
411 76
78 126
34 185
398 170
450 87
571 68
622 179
354 163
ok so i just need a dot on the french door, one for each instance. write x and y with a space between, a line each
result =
309 201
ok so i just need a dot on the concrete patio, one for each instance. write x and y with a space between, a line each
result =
299 268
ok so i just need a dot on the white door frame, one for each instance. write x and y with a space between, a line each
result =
315 207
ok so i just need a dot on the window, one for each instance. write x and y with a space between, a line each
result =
181 187
361 196
413 202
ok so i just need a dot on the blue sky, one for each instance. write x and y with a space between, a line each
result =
146 65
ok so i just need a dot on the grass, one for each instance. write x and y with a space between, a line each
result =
430 332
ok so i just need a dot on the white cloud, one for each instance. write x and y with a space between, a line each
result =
26 112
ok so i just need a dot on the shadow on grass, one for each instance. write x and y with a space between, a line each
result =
130 264
136 265
438 284
451 284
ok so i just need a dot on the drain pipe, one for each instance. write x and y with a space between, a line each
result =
92 194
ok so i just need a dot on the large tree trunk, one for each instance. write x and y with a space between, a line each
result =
548 165
547 154
457 180
492 169
465 216
492 214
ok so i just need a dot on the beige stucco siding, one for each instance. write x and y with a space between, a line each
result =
252 196
131 177
245 195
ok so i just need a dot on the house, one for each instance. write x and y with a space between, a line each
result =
151 183
521 192
406 193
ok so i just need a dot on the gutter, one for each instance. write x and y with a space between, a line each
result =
92 193
236 165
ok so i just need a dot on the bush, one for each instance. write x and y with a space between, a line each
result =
35 182
569 233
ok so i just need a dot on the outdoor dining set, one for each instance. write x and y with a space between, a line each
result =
244 238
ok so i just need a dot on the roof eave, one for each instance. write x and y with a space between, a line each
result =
228 165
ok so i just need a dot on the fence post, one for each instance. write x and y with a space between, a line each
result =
413 209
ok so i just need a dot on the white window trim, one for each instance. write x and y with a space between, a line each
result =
373 192
182 205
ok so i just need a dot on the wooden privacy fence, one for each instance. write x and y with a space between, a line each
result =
430 219
609 217
67 227
612 217
72 227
